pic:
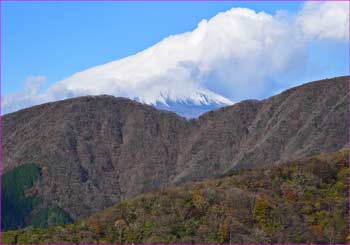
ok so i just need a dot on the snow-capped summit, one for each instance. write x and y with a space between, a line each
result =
157 76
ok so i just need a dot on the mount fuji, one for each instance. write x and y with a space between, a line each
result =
165 75
172 88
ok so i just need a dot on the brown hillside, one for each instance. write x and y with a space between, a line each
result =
97 151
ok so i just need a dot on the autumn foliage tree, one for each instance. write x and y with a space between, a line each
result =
120 225
261 210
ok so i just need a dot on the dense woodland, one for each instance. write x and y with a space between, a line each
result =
22 206
297 202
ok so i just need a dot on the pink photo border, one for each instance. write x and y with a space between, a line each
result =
348 85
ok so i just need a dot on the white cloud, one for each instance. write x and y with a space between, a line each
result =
29 96
238 53
34 83
329 20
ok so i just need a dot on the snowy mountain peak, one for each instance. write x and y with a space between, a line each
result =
149 79
164 91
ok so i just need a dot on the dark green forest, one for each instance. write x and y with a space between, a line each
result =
21 206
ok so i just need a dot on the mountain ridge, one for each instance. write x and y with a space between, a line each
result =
137 148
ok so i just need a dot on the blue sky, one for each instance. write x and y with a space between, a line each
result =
56 40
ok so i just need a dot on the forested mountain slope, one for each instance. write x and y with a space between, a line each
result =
301 201
94 152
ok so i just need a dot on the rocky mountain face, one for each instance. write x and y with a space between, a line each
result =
94 152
